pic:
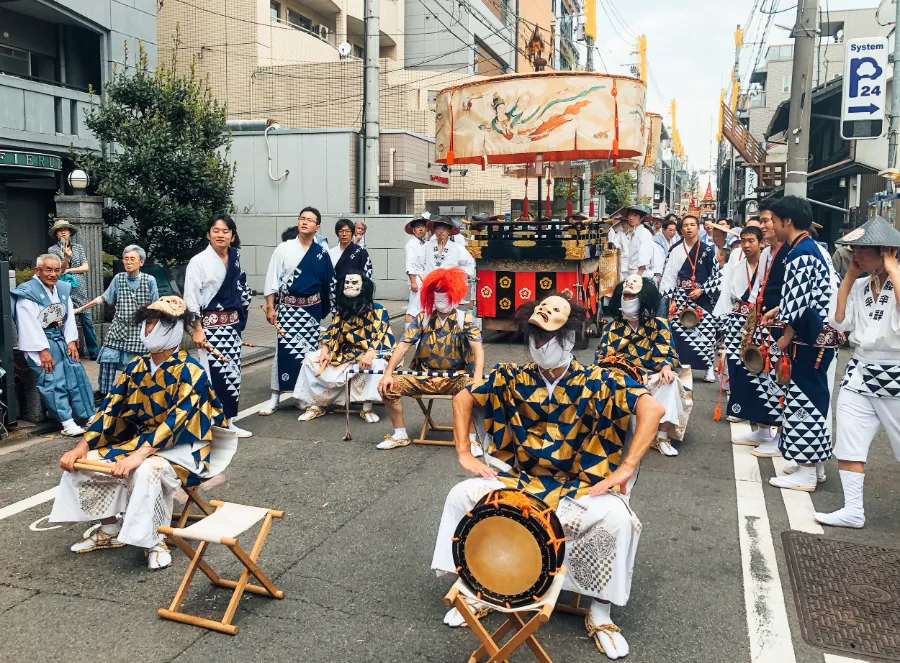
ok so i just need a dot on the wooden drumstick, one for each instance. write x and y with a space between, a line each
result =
248 344
277 326
94 466
215 353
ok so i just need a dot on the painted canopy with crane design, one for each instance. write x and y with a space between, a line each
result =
562 116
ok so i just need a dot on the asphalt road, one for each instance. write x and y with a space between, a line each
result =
353 554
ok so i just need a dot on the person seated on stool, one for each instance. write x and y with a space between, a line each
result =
446 339
359 331
644 340
156 426
558 431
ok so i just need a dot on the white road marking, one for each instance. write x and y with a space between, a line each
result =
27 503
47 495
767 622
798 504
24 444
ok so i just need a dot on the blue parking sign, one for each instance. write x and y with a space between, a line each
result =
865 88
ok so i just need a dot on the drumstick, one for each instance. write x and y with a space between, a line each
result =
94 466
248 344
277 326
215 353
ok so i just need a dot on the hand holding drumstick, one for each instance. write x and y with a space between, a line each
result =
272 320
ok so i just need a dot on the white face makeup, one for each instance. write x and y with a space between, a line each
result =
552 313
633 285
352 285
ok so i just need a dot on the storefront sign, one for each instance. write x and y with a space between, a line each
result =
443 179
30 160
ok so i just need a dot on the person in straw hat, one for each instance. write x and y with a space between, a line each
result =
74 267
418 228
156 431
868 310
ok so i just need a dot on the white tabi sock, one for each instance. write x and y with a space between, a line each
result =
273 401
112 528
400 433
68 423
613 643
367 407
853 514
662 435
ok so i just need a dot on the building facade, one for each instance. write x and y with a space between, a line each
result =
53 55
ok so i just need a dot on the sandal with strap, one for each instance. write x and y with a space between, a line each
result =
158 557
668 442
593 629
369 416
97 538
312 412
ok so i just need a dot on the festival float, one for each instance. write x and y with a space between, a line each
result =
545 125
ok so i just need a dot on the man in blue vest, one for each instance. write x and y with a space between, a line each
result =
48 337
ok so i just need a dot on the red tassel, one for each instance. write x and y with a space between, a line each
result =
526 211
591 207
547 210
718 414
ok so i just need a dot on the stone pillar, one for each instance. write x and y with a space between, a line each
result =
86 212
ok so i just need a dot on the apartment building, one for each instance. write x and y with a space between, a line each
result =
52 54
569 30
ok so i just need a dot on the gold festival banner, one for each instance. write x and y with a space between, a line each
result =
562 116
654 131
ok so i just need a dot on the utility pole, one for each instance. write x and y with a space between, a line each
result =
801 103
895 103
735 94
370 83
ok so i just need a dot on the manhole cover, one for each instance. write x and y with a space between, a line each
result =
848 595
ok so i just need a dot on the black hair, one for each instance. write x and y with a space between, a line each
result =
671 216
348 307
794 208
689 216
765 206
344 223
228 221
289 234
649 298
755 217
752 230
669 222
314 211
577 318
145 314
445 220
727 222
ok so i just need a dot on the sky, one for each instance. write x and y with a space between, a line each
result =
690 51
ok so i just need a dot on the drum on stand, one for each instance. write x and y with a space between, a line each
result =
509 547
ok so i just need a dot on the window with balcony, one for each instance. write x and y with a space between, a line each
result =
499 8
298 20
487 63
274 10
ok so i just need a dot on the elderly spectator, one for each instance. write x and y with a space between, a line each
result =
45 320
670 230
128 291
842 259
74 267
359 238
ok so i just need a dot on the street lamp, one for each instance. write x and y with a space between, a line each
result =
78 180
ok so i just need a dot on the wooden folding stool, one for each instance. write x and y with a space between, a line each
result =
429 424
491 650
193 499
223 527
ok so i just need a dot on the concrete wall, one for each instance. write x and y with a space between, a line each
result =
385 240
123 20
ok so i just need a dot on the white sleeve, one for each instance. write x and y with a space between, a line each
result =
849 322
193 285
724 303
412 250
31 336
466 261
673 266
70 331
418 264
644 257
273 274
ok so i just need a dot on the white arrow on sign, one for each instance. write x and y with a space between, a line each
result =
865 85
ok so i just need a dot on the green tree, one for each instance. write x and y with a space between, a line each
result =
165 171
615 187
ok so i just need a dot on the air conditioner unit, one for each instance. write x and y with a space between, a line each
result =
323 32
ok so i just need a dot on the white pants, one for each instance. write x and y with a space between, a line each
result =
602 536
678 403
328 387
858 420
145 498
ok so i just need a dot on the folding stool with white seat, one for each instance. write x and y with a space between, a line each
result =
226 523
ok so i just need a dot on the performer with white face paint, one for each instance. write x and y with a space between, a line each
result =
360 330
540 453
156 426
216 292
636 335
868 309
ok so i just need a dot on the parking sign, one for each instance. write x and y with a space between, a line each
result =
865 88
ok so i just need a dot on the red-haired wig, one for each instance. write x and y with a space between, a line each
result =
453 281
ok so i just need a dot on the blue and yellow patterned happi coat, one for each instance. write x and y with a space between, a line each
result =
442 347
558 444
349 339
174 405
649 347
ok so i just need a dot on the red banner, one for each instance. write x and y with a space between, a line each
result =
525 285
487 293
565 283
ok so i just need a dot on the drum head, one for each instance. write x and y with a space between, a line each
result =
503 555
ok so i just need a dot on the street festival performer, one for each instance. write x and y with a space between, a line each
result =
216 292
644 340
360 331
571 457
737 303
689 277
300 274
439 251
418 228
45 320
155 428
348 256
446 339
808 345
868 309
